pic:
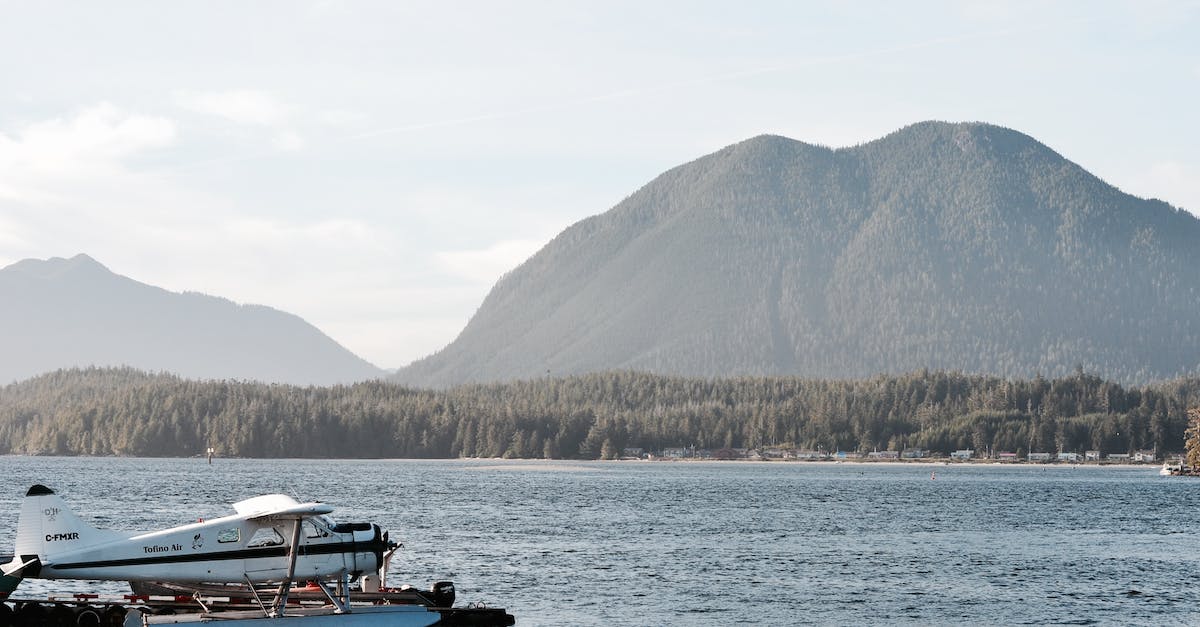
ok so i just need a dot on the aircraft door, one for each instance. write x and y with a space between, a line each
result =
319 556
267 542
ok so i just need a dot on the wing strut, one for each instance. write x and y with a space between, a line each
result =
254 591
293 552
341 605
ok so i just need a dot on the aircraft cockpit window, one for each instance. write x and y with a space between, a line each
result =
233 534
267 536
312 530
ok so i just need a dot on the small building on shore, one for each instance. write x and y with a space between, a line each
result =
773 452
1145 457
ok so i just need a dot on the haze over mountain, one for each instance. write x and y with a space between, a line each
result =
947 246
59 313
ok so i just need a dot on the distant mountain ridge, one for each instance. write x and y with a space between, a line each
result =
947 246
60 313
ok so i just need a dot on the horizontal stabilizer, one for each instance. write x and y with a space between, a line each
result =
16 567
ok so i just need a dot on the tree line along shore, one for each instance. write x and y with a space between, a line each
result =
121 411
912 456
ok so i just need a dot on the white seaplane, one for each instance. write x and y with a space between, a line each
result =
270 539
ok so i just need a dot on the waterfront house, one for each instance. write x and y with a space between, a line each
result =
633 453
1145 457
1117 457
914 453
966 453
884 455
1091 456
1068 457
1006 456
774 453
1039 457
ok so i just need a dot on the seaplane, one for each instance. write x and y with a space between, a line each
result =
271 542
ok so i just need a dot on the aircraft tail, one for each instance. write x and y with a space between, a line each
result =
46 527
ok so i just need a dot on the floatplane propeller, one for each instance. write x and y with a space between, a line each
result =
270 539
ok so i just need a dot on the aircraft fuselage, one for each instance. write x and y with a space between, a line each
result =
254 544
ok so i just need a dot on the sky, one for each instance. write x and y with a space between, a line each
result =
375 167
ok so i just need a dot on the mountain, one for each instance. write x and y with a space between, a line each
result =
946 246
59 313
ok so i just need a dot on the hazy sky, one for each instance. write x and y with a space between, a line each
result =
375 167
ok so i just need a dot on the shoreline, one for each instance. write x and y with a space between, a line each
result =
933 463
865 462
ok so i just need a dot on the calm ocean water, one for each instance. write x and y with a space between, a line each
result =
629 543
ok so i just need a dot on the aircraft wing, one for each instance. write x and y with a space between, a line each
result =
303 510
279 507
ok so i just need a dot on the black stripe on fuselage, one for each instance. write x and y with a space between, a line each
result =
241 554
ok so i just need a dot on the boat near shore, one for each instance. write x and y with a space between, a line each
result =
1175 467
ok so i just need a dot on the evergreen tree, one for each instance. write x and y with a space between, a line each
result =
1193 438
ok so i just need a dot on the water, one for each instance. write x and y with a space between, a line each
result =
635 543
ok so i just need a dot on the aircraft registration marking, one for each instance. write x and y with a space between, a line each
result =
55 537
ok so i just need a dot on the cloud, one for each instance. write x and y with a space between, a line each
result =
96 139
250 108
39 161
486 265
341 117
289 140
325 234
243 106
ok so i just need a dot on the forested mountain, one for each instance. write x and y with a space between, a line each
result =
59 313
946 246
126 412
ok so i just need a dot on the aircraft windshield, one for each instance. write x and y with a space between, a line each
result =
313 529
